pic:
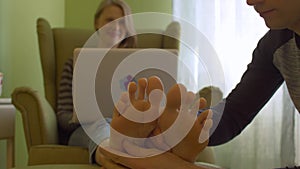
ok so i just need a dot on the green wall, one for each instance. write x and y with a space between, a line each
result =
80 13
19 57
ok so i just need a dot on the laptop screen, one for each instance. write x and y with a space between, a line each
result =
117 67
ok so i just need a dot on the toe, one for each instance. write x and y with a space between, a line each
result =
203 116
154 83
131 90
155 98
175 95
142 84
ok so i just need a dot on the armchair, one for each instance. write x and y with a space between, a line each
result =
38 112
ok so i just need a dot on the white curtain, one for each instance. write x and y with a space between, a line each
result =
297 137
233 29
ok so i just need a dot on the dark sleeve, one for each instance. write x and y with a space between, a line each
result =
65 99
257 86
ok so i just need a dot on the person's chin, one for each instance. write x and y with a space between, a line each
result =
274 25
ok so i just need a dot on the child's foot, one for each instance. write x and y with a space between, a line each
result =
192 131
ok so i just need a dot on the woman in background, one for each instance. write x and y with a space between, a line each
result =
109 11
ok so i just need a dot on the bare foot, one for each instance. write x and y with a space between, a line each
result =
196 139
136 113
141 119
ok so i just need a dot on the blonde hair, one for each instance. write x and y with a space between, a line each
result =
130 41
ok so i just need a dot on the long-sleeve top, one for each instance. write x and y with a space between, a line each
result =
65 103
275 59
97 131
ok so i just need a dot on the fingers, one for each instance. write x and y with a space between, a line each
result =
125 161
204 135
204 115
134 150
208 124
103 153
205 120
107 163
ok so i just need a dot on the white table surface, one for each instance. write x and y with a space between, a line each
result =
7 128
7 119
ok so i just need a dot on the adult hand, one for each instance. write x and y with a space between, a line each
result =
107 163
165 160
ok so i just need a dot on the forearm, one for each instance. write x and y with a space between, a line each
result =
256 87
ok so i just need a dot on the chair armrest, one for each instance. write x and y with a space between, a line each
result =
39 119
57 154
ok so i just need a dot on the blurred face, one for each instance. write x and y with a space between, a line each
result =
112 30
279 14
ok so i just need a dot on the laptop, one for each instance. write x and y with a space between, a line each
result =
105 73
